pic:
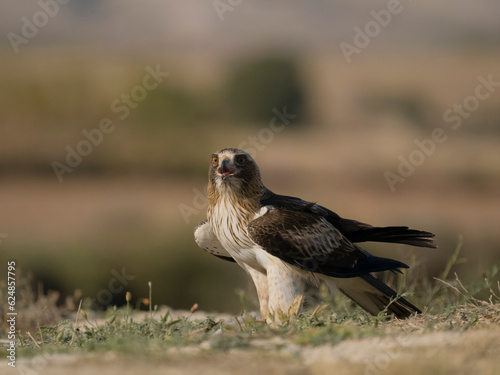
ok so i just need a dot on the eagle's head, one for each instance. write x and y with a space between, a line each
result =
233 170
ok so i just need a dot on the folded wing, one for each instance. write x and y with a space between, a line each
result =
307 240
354 230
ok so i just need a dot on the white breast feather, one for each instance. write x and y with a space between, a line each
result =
229 222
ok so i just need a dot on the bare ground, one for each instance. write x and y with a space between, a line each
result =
467 352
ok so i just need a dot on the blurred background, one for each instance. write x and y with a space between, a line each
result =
271 77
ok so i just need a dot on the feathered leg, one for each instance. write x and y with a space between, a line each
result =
285 292
260 281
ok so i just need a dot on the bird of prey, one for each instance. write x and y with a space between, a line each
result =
285 242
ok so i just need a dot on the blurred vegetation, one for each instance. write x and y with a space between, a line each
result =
252 89
46 107
71 95
177 105
255 86
333 155
453 307
181 273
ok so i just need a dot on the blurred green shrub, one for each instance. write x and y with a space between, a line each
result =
172 104
255 87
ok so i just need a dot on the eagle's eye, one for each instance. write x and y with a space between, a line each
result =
241 159
215 160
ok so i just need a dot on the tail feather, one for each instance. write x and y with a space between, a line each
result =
374 296
402 235
386 293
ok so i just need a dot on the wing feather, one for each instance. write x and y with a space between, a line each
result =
206 239
309 241
355 231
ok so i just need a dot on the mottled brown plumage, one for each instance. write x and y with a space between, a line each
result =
284 242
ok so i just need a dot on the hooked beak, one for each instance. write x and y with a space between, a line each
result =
225 170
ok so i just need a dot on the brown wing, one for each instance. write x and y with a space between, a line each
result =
353 230
309 241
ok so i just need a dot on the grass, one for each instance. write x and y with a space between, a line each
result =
124 340
457 333
159 331
154 338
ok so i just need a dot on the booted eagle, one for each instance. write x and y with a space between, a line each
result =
285 242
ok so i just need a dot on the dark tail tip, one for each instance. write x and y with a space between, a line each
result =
386 298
